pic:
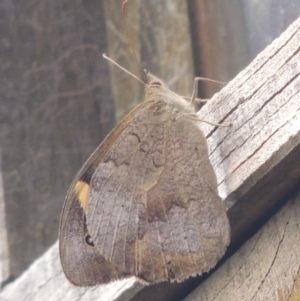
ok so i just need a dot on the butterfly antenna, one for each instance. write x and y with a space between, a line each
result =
209 80
122 68
128 33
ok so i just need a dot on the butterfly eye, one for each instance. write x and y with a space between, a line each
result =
156 83
89 240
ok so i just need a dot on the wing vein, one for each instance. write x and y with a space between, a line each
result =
166 140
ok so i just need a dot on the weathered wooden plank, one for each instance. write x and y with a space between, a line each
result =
219 28
160 34
44 280
256 159
251 158
56 107
267 267
127 91
230 33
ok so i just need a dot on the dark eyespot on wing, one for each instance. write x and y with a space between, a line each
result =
156 83
89 240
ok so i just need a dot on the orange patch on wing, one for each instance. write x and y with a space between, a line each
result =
82 191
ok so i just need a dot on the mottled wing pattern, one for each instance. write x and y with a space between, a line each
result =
145 203
153 208
82 263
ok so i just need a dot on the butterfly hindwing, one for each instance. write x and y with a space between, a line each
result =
154 210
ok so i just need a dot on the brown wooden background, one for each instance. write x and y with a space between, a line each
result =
59 97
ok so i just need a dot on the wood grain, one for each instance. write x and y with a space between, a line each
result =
228 34
160 34
267 267
262 102
44 280
256 160
56 106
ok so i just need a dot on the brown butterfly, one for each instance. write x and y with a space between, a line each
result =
145 203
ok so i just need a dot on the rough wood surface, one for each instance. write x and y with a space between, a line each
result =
267 267
160 34
44 280
256 160
56 106
230 33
